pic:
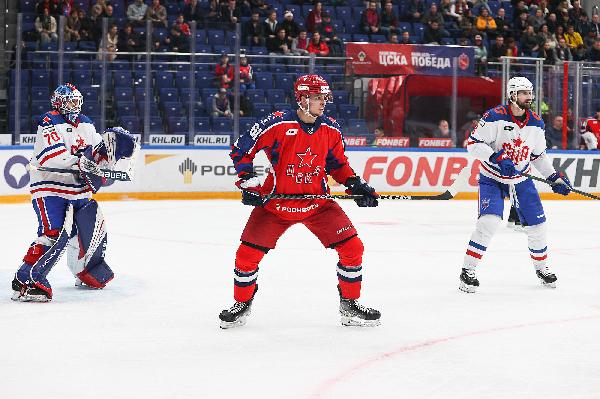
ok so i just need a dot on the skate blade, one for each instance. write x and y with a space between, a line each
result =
549 285
467 288
358 322
232 324
18 297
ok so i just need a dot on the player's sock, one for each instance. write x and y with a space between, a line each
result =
538 251
354 314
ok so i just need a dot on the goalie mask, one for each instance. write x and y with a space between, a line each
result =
311 84
67 100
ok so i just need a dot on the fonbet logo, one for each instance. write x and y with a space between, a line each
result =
187 169
15 172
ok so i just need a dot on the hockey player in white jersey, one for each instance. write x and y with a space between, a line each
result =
508 140
67 216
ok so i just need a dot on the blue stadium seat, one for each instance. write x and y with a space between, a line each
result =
357 127
131 123
39 107
177 125
261 109
122 78
202 125
357 37
215 36
156 124
182 80
163 79
221 48
203 48
348 111
256 95
82 78
278 68
340 97
174 108
378 39
331 110
205 79
44 92
285 81
123 94
222 125
126 109
168 94
246 123
264 80
200 36
342 123
276 96
343 13
90 108
282 106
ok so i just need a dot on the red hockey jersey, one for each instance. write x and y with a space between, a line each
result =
301 155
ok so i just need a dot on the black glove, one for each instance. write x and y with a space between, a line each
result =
250 186
357 186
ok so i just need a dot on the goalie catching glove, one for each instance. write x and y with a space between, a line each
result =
89 171
250 186
357 186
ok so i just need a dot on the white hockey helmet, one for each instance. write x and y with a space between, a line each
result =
515 85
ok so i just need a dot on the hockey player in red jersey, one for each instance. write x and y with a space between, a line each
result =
304 148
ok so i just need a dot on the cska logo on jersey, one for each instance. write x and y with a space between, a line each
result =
515 151
307 158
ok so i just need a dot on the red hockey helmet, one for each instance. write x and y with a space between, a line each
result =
312 84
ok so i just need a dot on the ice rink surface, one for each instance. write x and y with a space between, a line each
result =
153 332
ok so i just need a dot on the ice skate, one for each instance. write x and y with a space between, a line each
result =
354 314
237 315
24 293
547 278
468 281
514 222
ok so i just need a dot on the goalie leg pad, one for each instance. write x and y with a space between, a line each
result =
247 259
349 268
85 254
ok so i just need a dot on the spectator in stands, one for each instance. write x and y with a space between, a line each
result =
393 39
468 127
220 105
503 25
212 16
278 44
253 30
576 11
111 41
177 40
246 74
406 39
575 42
328 35
259 5
588 141
102 5
378 133
592 126
433 14
460 8
157 13
290 26
497 49
480 55
314 17
563 52
182 26
109 12
246 107
388 20
369 20
554 133
479 6
96 18
415 10
317 46
548 54
589 40
520 26
433 34
552 23
72 27
593 54
485 24
594 25
53 7
224 72
87 26
45 25
536 20
529 42
230 13
544 36
447 9
130 42
519 8
193 12
464 41
270 25
442 130
300 44
136 13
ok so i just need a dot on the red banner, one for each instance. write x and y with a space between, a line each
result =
429 142
406 59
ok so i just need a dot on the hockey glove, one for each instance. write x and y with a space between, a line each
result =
564 186
506 165
357 186
250 186
89 171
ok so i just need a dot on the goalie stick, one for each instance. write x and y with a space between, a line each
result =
532 177
106 173
458 185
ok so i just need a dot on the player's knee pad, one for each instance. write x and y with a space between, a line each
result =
487 225
248 257
536 235
85 253
350 251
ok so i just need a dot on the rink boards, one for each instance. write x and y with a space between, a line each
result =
204 173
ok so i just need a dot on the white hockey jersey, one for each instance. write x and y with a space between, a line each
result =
523 142
55 143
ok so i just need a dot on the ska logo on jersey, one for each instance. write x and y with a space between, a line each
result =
79 144
515 151
307 158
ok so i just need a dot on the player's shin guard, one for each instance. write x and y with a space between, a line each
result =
349 268
85 254
538 248
247 259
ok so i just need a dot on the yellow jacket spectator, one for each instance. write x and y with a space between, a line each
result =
484 22
573 38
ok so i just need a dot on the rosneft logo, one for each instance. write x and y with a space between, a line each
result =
362 56
187 169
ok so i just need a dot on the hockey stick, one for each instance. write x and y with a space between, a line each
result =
458 185
106 173
552 183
